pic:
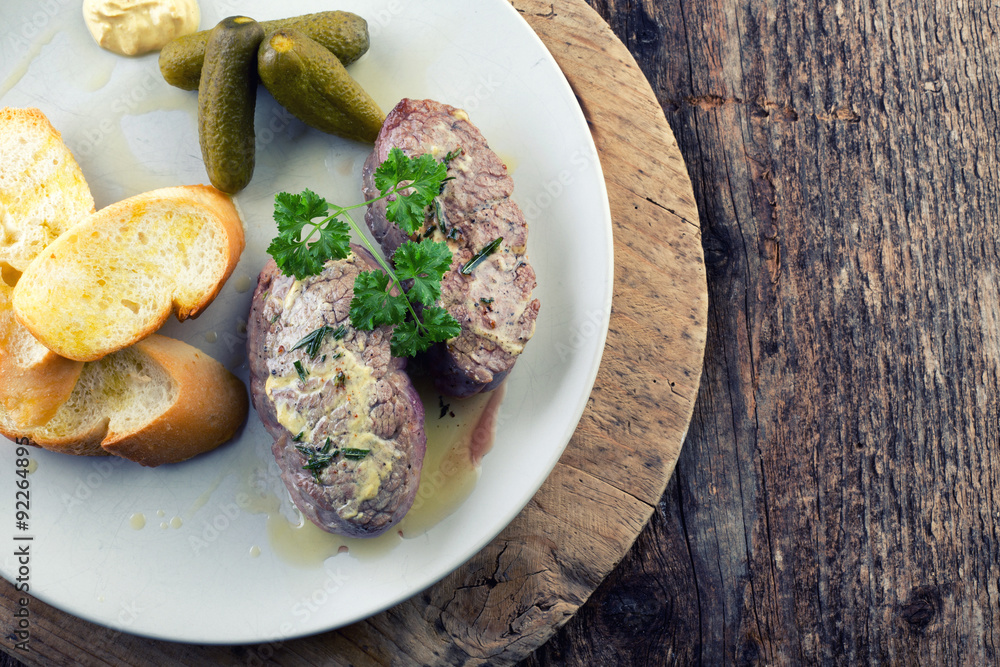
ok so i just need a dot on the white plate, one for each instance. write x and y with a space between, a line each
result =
197 581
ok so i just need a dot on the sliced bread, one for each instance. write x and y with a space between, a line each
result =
114 277
158 401
42 190
34 381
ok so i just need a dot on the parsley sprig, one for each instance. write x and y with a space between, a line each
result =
304 244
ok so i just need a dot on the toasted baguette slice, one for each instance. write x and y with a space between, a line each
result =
114 277
42 190
34 381
159 401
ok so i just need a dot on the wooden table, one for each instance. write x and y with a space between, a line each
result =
834 499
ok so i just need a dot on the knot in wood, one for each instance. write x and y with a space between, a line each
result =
716 247
921 608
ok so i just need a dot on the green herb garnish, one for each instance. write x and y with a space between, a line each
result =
303 373
487 250
354 454
452 155
442 220
303 245
317 460
311 341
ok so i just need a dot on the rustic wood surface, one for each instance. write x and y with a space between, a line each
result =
512 596
836 499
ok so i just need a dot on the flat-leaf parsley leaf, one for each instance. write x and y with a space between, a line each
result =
423 176
424 263
304 244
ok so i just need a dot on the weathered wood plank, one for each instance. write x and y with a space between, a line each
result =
836 497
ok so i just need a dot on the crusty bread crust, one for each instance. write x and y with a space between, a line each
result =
114 277
42 189
211 405
202 406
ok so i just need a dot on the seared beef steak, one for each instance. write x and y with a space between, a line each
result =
493 304
327 402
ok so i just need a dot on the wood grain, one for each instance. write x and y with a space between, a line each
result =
836 500
513 595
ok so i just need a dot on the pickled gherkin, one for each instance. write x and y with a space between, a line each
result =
227 97
313 85
344 34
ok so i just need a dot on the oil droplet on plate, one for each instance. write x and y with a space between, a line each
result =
242 284
211 337
176 522
254 551
164 525
137 521
33 51
32 466
509 160
160 513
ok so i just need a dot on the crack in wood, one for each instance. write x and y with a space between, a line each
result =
761 108
607 483
551 14
671 211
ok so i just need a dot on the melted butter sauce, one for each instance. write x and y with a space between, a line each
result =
457 440
33 50
459 434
